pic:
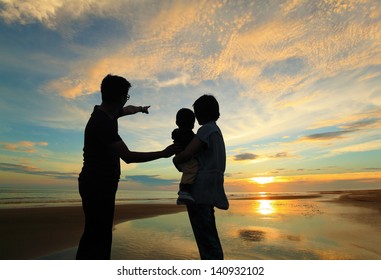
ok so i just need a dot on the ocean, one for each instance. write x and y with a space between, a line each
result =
29 197
45 196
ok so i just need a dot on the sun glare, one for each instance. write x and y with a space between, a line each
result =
262 180
265 207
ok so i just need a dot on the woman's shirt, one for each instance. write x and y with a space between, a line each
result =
208 187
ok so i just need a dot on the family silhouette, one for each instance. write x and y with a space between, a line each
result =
201 157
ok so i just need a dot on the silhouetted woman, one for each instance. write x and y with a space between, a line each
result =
208 148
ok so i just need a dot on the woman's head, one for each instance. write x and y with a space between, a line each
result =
206 109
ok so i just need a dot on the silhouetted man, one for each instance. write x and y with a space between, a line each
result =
98 180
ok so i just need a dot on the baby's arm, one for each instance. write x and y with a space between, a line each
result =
131 109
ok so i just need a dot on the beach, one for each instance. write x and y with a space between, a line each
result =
260 227
30 233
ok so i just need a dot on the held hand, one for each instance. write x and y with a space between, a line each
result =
171 150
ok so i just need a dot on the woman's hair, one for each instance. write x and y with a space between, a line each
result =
206 109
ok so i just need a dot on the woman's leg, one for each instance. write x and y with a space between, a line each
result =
205 231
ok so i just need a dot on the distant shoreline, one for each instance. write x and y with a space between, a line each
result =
276 197
366 198
30 233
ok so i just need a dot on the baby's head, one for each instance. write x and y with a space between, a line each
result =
185 118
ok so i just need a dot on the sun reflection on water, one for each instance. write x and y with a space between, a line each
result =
265 207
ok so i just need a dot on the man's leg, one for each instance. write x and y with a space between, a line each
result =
99 209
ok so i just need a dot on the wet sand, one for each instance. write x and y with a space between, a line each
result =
36 232
364 198
29 233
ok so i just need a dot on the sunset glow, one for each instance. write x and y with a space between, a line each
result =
263 180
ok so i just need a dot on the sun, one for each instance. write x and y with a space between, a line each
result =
262 180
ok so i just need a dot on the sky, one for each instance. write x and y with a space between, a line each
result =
298 83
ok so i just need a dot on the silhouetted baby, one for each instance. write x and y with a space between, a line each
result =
183 135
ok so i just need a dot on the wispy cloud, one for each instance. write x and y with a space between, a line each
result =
65 16
368 118
361 124
23 146
325 136
31 170
363 147
281 155
251 156
271 57
26 12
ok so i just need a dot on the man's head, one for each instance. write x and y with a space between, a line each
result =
185 118
114 89
206 109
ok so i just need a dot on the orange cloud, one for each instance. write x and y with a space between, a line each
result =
367 118
23 146
299 182
330 177
211 40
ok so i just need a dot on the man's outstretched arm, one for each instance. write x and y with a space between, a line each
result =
129 156
131 109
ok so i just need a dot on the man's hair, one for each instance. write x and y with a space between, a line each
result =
206 109
185 118
114 87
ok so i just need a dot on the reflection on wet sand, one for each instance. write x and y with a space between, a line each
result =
252 235
294 229
265 207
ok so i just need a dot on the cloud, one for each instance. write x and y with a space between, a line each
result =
361 124
373 168
291 46
362 147
325 136
64 16
71 88
281 155
324 44
24 169
358 120
23 146
245 156
29 11
182 79
150 180
251 156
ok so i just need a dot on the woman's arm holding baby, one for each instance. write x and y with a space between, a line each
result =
193 148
